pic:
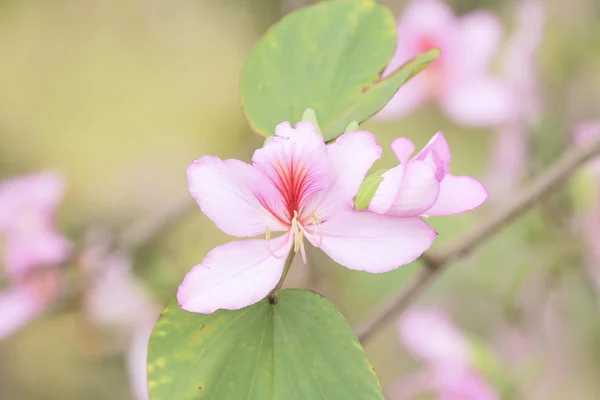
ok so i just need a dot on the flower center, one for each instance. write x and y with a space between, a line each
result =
297 233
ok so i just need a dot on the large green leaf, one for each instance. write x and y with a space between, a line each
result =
328 57
299 348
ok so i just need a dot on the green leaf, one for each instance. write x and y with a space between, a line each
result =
328 57
299 348
352 127
367 190
310 115
379 94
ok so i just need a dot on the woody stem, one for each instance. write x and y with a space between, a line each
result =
272 296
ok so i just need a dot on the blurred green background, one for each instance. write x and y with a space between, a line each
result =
121 95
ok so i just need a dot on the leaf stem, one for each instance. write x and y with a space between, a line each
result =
272 296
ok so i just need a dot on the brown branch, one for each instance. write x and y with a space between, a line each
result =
436 262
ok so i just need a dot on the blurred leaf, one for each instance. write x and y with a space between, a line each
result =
583 190
328 57
299 348
367 190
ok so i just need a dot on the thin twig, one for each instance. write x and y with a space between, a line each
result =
436 262
144 231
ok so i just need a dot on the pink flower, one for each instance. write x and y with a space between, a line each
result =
459 80
27 208
520 67
423 186
431 337
301 187
28 205
24 301
116 299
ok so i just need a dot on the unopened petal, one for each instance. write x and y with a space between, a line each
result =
230 192
366 241
403 149
413 188
234 275
351 155
437 153
458 194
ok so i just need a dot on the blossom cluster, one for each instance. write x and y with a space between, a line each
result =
302 188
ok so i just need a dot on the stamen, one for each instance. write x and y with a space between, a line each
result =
297 231
303 253
318 232
271 251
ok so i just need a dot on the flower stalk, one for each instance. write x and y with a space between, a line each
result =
272 296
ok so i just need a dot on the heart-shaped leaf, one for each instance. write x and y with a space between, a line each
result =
328 57
299 348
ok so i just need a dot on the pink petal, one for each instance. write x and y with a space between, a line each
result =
458 194
403 149
22 303
114 296
18 306
228 193
23 252
411 96
431 337
479 103
33 195
508 163
234 275
585 133
137 356
366 241
296 161
462 384
406 191
478 36
426 15
437 153
351 156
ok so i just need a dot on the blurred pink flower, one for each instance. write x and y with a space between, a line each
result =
459 80
520 67
28 205
423 185
116 299
304 188
24 301
430 336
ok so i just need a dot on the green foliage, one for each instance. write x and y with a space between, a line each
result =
367 190
299 348
310 115
328 57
